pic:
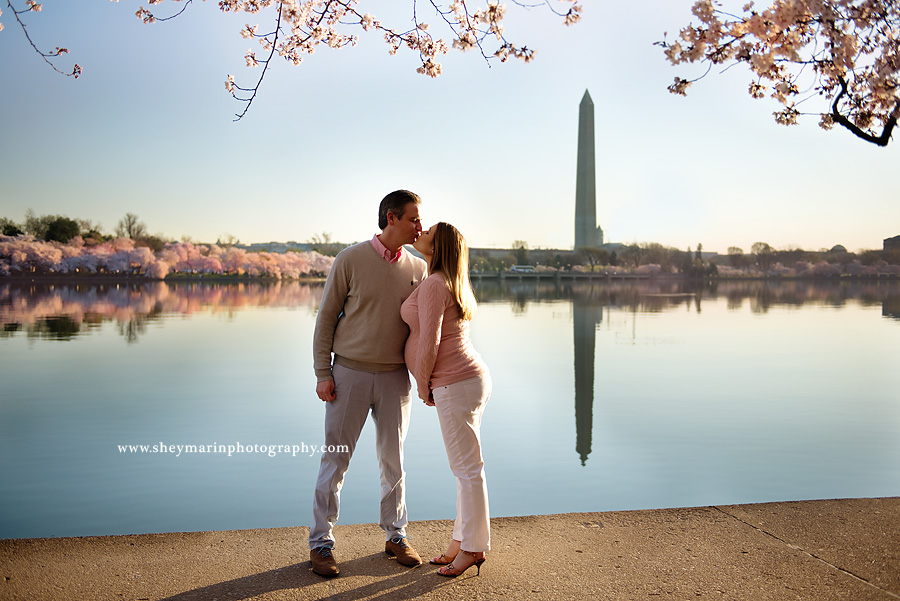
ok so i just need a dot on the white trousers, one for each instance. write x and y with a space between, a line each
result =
459 408
358 392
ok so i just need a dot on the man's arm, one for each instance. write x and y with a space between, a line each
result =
333 297
325 390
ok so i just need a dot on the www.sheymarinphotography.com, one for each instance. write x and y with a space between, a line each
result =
236 448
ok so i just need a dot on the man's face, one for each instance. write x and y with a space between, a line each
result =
409 226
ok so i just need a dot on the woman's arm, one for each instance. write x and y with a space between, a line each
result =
433 297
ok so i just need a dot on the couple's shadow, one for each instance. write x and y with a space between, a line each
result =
371 577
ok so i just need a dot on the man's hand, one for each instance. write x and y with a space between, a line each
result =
325 390
430 400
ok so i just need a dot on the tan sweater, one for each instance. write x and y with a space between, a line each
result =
359 318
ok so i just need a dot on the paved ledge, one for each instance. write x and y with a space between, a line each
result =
817 550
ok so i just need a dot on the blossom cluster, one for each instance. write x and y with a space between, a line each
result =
843 51
30 6
300 26
24 254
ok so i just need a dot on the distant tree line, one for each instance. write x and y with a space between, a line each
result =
655 258
324 244
62 229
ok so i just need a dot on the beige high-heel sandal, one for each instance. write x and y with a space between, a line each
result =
445 559
450 572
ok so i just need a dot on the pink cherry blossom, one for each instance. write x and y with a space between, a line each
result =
842 56
299 26
24 254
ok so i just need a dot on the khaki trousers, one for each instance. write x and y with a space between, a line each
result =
386 395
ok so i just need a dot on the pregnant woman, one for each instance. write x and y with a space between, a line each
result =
451 377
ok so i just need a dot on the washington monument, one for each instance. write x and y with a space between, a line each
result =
587 234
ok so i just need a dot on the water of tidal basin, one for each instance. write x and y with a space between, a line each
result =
606 397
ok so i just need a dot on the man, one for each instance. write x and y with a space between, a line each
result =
359 322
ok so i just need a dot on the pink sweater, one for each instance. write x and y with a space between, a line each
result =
438 350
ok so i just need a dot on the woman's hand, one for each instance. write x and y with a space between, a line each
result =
430 401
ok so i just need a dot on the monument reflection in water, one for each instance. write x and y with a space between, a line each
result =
589 298
587 314
669 406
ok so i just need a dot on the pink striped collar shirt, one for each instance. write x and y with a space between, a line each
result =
385 251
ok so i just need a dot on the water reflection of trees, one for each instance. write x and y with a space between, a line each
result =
62 311
133 328
891 307
57 311
662 295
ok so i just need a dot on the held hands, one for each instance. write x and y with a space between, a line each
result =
427 395
325 390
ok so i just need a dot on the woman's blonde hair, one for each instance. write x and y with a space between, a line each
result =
451 260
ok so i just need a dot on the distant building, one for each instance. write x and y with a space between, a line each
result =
892 243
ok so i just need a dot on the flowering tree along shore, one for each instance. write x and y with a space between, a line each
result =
26 255
840 58
295 28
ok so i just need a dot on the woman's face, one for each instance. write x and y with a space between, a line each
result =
425 242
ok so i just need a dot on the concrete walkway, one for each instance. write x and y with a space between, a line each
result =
817 550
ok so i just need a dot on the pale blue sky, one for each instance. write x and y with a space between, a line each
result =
148 129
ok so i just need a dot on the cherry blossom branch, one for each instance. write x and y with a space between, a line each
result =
149 17
314 22
33 6
452 26
573 13
881 140
251 61
849 51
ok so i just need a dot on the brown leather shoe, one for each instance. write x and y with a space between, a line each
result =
401 549
323 563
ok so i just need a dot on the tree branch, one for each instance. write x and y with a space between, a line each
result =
44 55
840 119
184 8
266 63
